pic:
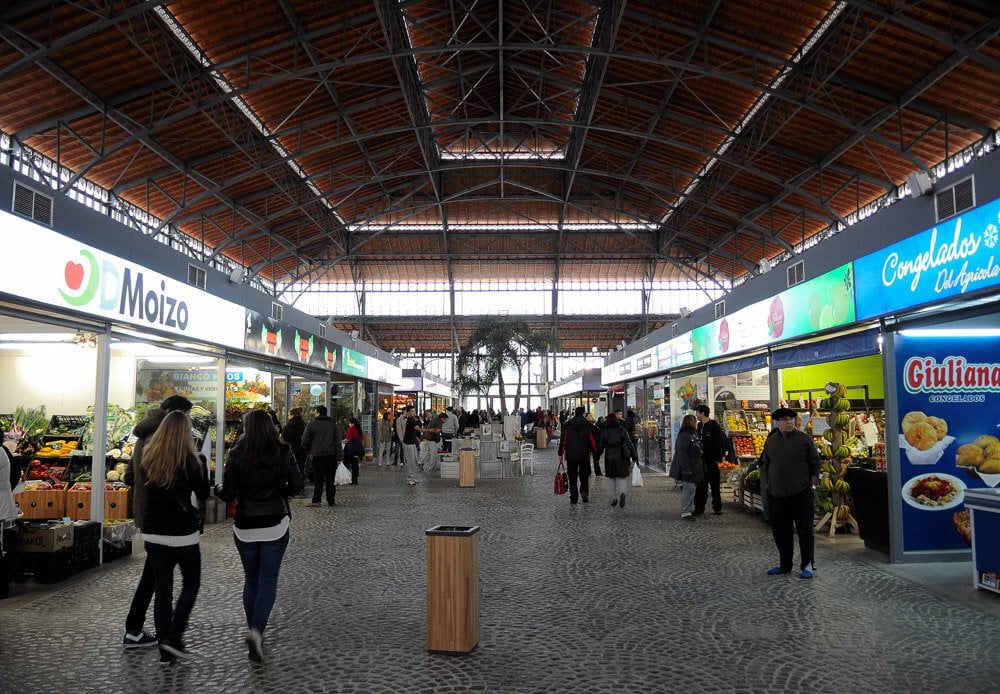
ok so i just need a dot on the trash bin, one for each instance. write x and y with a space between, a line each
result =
452 588
467 467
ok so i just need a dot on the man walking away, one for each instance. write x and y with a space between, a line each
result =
712 445
449 427
576 445
410 440
790 463
322 440
135 637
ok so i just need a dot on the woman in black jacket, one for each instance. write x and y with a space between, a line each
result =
260 474
171 526
687 466
618 453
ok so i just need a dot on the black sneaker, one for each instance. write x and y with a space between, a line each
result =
167 658
141 639
255 650
174 648
584 498
621 500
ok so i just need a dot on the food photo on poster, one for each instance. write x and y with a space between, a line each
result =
949 431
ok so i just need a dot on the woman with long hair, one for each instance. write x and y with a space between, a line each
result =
261 473
687 466
354 448
619 454
171 527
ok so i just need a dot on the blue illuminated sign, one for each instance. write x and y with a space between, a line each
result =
953 258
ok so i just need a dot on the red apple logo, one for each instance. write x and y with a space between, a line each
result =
73 275
776 319
724 336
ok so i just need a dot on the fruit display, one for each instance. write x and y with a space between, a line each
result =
749 446
57 449
735 423
43 486
880 460
836 455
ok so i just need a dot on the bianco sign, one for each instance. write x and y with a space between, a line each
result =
52 269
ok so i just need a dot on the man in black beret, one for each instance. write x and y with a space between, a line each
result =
790 464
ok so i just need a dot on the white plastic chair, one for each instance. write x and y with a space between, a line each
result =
527 455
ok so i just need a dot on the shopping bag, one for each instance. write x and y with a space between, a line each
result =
561 485
636 475
342 475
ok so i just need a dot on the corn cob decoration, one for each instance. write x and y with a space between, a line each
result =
836 455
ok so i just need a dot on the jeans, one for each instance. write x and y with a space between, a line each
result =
171 620
141 599
701 494
618 486
353 464
261 564
687 497
785 512
410 458
324 468
578 471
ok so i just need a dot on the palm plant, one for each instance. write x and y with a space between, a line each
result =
496 344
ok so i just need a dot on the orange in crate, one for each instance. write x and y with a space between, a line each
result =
50 503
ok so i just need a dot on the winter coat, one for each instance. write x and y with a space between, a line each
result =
321 438
618 450
168 511
292 433
261 488
134 476
355 446
8 510
713 441
577 442
687 465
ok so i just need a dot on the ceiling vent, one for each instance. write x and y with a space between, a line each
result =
720 309
275 311
673 330
29 203
955 199
197 276
322 331
796 273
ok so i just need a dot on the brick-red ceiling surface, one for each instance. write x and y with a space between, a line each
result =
415 139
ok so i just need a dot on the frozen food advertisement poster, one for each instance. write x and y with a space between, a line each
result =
948 390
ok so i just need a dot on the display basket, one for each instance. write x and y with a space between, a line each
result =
66 426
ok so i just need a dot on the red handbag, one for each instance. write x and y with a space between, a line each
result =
561 485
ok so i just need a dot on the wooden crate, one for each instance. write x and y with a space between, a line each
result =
50 503
115 504
452 589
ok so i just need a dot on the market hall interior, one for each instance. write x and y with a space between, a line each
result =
584 598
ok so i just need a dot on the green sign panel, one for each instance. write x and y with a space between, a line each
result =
354 363
824 302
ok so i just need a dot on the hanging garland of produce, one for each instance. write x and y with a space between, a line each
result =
836 455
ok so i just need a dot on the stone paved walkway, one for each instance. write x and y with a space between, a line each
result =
573 599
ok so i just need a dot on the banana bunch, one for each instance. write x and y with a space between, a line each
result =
836 451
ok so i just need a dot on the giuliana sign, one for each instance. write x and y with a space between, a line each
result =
49 268
956 257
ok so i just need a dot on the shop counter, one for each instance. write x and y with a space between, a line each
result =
870 493
984 506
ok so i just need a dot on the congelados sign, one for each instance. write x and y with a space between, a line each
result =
49 268
953 258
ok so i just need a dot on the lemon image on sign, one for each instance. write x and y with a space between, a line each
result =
840 301
815 309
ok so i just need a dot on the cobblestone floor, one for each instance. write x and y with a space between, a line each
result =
573 599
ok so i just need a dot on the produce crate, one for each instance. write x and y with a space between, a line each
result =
112 552
115 504
66 426
38 504
47 567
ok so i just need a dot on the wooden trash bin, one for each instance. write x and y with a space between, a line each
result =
452 588
541 437
467 467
